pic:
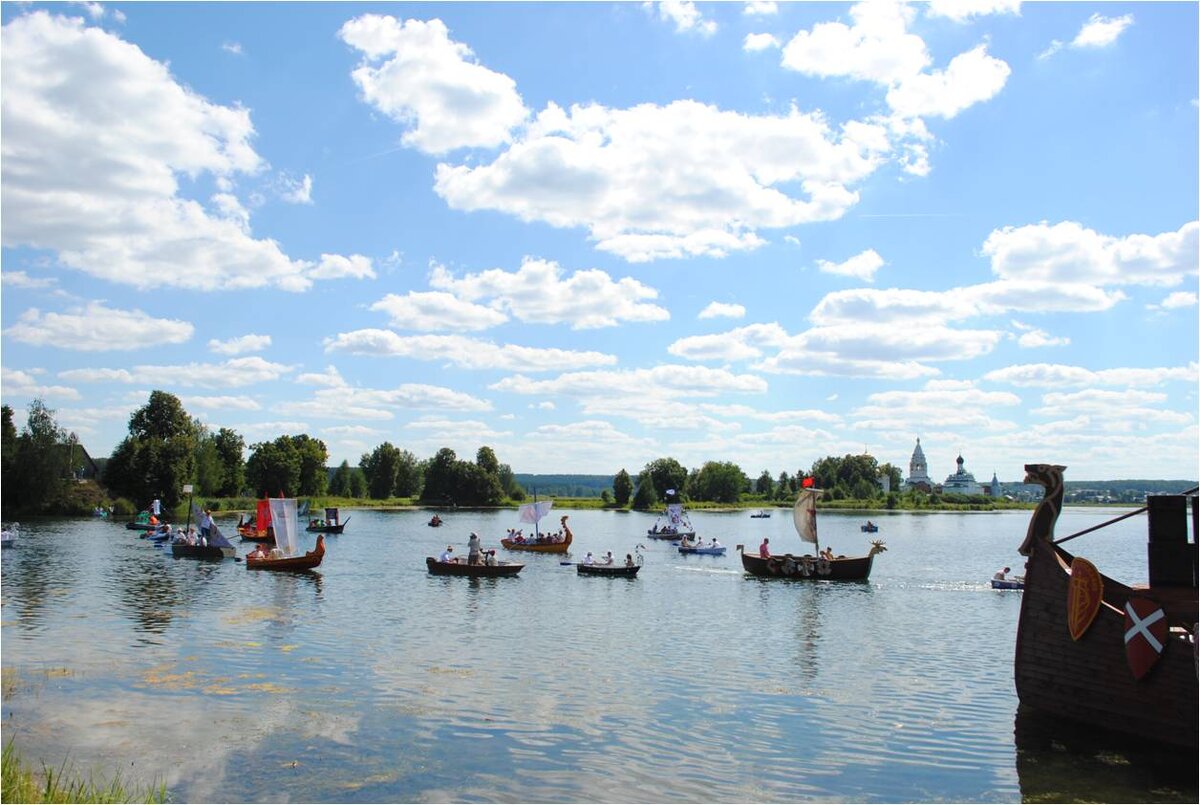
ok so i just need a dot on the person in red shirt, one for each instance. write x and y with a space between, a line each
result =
764 550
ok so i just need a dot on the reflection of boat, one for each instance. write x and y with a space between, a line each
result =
8 535
1076 624
1011 583
330 525
628 571
761 513
839 568
286 555
539 543
869 527
217 546
677 526
438 568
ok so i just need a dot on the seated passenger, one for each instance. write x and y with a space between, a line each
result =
629 560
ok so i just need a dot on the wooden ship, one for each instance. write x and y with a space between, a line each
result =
1106 654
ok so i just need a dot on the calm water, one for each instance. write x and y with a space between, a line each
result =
374 681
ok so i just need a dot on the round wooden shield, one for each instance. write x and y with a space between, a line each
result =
1145 634
1085 591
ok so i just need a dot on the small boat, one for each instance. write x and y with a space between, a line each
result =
258 527
456 568
540 542
702 550
807 566
214 546
869 527
627 571
286 555
1011 583
1101 653
99 512
435 521
330 525
760 514
8 535
676 527
143 522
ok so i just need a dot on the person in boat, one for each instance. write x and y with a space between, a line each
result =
629 560
827 553
588 560
259 552
447 555
1002 575
608 559
153 520
764 550
206 523
491 558
715 544
473 549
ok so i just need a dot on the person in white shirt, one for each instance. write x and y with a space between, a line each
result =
608 559
473 549
588 560
1001 574
447 555
491 558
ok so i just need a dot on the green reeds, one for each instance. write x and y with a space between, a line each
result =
21 784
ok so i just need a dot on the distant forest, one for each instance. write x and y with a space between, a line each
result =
565 486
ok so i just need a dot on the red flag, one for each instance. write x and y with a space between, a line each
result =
807 482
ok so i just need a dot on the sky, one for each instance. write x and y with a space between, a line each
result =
592 235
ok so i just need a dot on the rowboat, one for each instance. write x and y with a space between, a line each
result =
217 546
330 525
1014 583
532 513
1101 653
628 571
702 550
435 521
676 527
807 566
869 527
143 522
454 568
258 529
761 513
286 555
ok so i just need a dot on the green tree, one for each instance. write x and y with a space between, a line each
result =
381 467
40 468
339 486
230 447
158 456
664 474
764 485
440 477
358 483
274 468
409 475
314 477
719 481
622 488
485 459
892 474
646 496
210 472
606 497
508 482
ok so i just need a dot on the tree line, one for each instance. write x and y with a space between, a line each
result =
167 448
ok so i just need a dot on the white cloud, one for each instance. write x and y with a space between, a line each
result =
232 47
683 14
756 42
964 10
686 179
741 344
337 266
19 279
537 293
355 403
1053 375
939 404
240 345
467 353
627 386
1100 31
878 48
223 402
1069 252
1176 300
414 73
760 8
1031 337
95 135
18 383
330 378
295 191
96 328
1054 47
723 310
436 310
861 266
236 372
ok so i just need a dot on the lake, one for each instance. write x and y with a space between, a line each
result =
373 681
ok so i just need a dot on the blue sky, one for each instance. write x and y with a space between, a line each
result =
590 235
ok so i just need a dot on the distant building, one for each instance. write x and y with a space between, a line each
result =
918 471
962 482
996 490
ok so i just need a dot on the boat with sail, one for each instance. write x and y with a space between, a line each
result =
1106 654
540 542
331 524
821 567
213 546
286 554
258 528
673 524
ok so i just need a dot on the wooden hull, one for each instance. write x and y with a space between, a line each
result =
207 552
326 529
477 571
673 537
809 568
308 561
1089 680
538 547
870 529
608 570
250 535
704 551
1007 584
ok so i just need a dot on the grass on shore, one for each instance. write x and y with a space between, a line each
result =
23 784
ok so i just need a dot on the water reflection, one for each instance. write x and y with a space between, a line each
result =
149 597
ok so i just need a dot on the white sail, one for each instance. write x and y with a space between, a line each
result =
532 512
675 513
284 522
804 514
